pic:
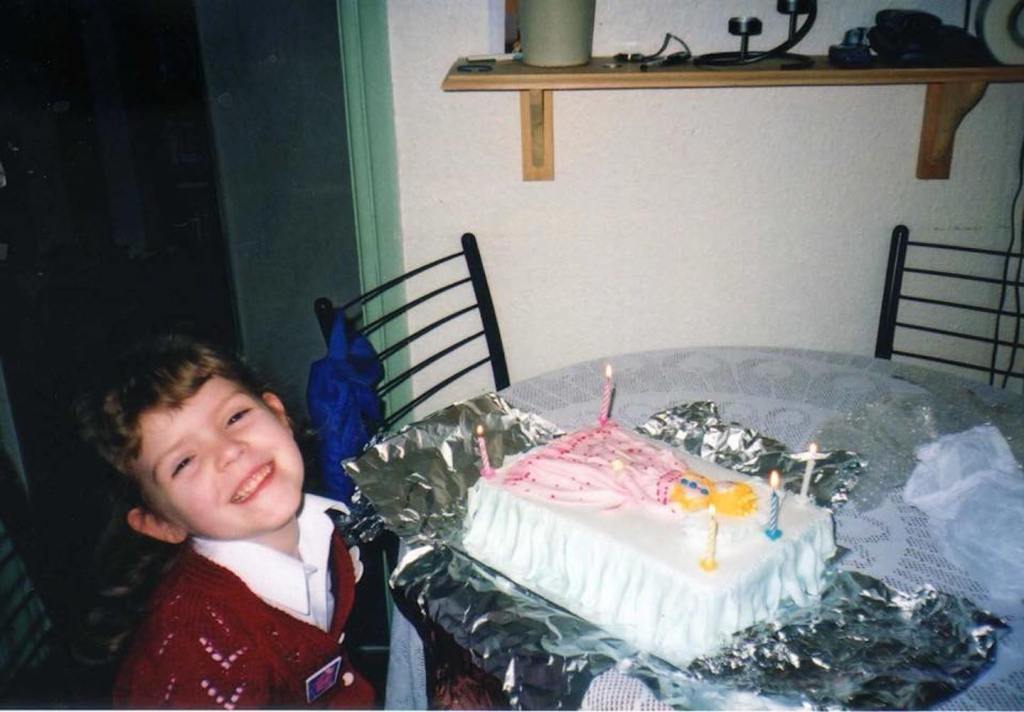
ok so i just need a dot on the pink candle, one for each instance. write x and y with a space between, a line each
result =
606 396
485 470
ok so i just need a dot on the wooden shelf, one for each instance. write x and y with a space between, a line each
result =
952 92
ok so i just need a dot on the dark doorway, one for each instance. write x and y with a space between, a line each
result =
109 229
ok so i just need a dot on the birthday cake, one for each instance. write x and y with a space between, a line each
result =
669 552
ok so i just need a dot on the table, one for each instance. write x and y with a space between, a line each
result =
796 396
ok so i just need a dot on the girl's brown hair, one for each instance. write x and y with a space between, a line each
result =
161 372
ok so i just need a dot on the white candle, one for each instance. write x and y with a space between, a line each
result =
606 396
485 470
812 455
773 514
708 563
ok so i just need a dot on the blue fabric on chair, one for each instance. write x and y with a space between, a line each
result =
343 405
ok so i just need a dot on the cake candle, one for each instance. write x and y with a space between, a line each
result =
708 563
606 396
486 471
773 532
812 455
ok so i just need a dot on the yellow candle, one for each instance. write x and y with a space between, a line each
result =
708 563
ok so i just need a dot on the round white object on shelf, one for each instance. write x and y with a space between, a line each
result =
1000 24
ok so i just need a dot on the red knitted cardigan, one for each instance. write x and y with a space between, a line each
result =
210 642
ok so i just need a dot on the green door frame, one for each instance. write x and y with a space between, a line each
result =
366 67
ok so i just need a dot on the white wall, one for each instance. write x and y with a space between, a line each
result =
684 217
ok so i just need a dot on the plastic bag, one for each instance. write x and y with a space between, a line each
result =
343 406
972 490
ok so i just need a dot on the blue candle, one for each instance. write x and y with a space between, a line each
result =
773 532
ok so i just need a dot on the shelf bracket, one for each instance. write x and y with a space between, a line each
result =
538 138
945 106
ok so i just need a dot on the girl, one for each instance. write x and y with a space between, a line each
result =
251 608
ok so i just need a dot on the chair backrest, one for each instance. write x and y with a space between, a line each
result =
27 635
443 322
954 305
25 628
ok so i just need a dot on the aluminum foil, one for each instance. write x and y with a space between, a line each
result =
698 429
865 645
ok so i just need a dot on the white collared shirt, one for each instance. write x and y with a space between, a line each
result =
301 588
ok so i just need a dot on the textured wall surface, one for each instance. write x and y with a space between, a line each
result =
685 217
273 74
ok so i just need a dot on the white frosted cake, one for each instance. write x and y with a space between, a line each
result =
617 529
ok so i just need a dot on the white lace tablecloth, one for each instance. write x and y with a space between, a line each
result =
789 395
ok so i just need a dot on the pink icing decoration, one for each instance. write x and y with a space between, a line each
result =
576 470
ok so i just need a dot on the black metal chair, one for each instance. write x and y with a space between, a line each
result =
25 628
954 305
38 669
474 276
455 327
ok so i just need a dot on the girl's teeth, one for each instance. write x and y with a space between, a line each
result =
250 485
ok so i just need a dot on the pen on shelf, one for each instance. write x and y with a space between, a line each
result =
474 58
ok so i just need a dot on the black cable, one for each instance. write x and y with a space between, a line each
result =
673 58
664 46
967 15
735 59
1005 283
1020 260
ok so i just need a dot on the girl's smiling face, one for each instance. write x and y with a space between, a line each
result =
222 466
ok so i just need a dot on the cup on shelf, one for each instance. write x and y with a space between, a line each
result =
556 33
